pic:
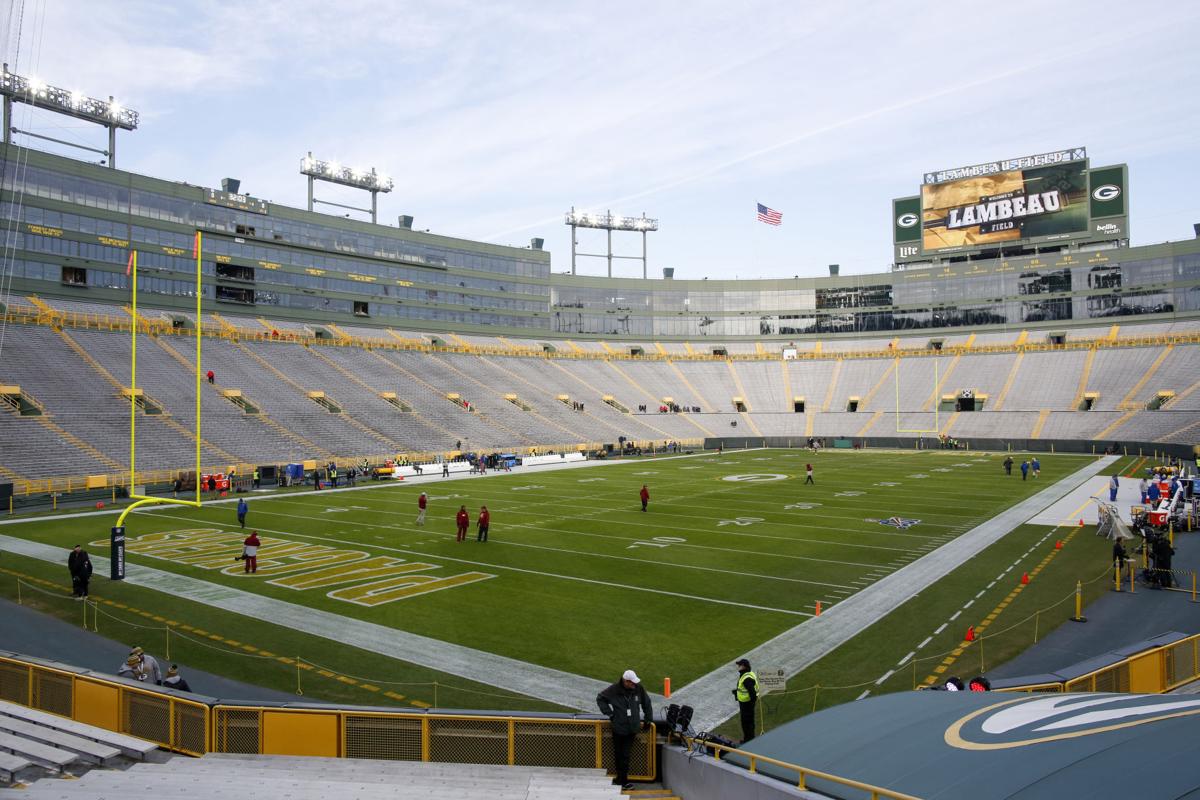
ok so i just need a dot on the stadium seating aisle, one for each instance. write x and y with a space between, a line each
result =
301 778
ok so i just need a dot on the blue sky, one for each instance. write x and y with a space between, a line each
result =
495 118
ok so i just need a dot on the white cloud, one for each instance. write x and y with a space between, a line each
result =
495 117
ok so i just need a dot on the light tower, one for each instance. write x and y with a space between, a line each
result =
34 92
333 172
610 222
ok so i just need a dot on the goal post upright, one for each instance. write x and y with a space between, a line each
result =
141 499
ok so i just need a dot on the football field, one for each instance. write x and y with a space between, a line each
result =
732 551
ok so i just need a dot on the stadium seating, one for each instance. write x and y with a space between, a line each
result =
234 777
298 398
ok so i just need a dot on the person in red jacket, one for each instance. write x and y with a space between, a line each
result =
422 502
463 519
250 551
645 495
485 519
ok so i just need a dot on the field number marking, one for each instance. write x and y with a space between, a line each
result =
800 506
657 541
740 521
756 477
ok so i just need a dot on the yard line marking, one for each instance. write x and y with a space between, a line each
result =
544 574
864 694
941 628
956 615
928 639
618 558
904 660
981 593
510 543
885 676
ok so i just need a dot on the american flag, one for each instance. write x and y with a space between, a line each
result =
769 215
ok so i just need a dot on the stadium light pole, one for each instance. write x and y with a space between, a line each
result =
35 92
610 222
333 172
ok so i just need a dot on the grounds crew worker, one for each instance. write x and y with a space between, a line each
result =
747 697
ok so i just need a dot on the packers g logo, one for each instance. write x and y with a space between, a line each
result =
1106 192
907 220
1033 720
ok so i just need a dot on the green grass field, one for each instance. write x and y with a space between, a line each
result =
733 550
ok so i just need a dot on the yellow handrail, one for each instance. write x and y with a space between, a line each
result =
803 774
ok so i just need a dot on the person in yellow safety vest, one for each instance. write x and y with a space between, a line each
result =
256 484
747 697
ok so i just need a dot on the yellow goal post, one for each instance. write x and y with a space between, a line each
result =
141 499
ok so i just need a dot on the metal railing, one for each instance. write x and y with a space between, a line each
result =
176 723
227 330
1153 671
205 725
803 774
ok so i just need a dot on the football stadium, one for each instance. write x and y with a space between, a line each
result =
400 506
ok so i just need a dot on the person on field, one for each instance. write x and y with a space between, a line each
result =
463 520
1036 466
149 666
422 504
132 669
250 551
242 508
644 494
808 470
1008 462
79 564
484 521
628 708
211 377
746 693
175 681
1113 485
1024 470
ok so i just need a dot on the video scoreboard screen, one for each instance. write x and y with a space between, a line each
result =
1041 198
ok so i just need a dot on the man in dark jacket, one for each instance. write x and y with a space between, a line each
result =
627 707
80 566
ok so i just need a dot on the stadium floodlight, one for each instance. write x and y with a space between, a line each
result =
36 92
355 177
610 222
